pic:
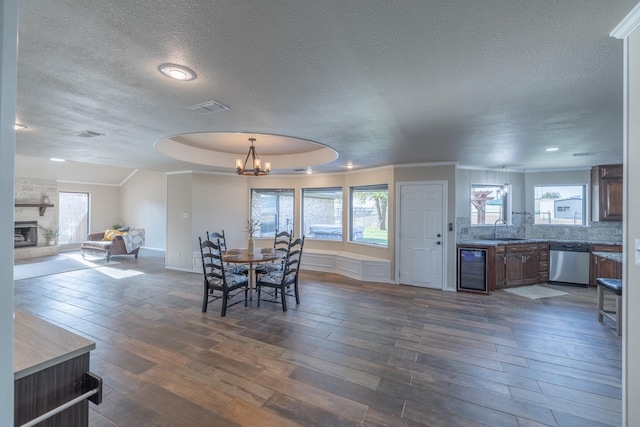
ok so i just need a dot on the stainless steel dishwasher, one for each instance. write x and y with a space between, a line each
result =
569 263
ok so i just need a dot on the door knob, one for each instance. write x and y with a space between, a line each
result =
439 235
438 242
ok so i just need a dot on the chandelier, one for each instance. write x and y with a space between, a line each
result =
256 167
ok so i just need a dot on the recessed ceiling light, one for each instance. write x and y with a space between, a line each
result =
18 126
309 171
177 72
552 149
54 159
349 165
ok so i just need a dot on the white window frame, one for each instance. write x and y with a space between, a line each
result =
81 235
585 205
281 224
506 207
351 216
337 216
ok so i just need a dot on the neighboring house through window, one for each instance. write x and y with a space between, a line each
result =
560 204
274 209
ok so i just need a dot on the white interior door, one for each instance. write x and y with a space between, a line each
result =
421 235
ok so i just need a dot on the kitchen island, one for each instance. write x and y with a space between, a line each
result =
51 368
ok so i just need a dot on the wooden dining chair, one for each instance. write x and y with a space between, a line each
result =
282 280
219 284
231 268
281 243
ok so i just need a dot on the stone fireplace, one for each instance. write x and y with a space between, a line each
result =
29 215
25 234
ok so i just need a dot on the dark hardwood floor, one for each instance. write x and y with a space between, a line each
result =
352 353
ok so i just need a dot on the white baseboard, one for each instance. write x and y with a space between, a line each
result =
183 269
355 266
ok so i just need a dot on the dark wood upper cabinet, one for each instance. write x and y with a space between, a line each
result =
606 193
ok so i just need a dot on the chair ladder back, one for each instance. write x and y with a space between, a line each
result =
212 260
292 262
282 241
218 236
215 278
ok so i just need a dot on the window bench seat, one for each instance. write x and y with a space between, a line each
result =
349 264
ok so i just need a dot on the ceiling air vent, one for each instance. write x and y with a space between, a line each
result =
208 107
88 134
583 154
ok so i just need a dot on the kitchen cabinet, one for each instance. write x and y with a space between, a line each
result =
514 264
500 262
606 193
521 265
602 267
543 262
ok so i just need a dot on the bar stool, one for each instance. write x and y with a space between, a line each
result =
615 286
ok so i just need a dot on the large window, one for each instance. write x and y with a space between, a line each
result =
560 204
73 217
274 210
322 213
369 215
489 203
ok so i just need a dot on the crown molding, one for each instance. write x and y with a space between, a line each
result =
628 25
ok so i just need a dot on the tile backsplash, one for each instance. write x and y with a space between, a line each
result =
523 227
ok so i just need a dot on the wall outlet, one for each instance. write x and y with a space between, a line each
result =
464 230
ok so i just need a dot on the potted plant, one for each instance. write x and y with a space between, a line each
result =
50 234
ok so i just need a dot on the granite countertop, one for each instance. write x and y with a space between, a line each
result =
38 344
515 240
609 255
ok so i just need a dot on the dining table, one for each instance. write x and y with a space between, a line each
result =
251 258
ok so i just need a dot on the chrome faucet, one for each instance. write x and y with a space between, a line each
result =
495 227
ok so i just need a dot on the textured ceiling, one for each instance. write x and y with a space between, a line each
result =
486 83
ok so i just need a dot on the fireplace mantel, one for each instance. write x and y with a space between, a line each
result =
42 206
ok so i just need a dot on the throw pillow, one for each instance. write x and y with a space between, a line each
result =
110 234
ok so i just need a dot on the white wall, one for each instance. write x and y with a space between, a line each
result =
104 203
8 79
631 273
143 204
221 202
180 245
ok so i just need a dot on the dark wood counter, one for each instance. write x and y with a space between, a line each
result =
50 367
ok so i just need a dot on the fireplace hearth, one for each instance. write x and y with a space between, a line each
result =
25 234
